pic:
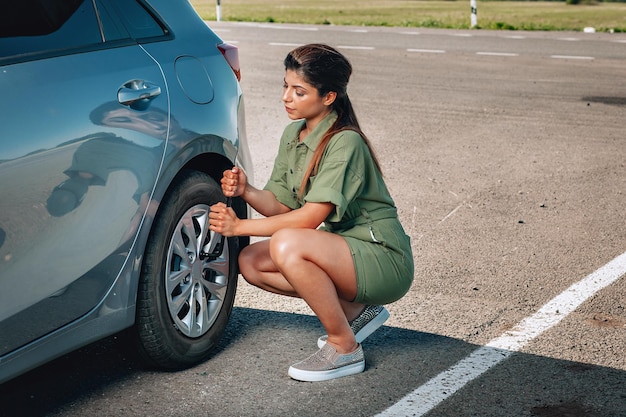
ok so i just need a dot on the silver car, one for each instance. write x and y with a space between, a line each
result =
117 119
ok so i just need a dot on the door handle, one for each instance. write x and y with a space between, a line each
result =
137 94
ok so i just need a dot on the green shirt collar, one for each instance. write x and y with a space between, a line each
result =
315 137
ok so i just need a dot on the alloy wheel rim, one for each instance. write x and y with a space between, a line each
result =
195 285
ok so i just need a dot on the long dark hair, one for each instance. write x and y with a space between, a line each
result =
327 70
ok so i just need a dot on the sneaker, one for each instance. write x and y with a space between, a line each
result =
366 323
328 364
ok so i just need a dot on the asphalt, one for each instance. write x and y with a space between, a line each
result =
505 153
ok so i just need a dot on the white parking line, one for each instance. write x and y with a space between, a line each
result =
570 57
278 27
444 385
497 53
363 48
427 51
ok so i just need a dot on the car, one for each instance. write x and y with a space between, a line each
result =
117 120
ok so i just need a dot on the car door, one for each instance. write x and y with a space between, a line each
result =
83 126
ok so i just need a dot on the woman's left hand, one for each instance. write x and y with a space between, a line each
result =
223 220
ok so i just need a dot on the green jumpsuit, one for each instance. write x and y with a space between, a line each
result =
365 214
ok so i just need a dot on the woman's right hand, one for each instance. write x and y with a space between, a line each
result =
234 182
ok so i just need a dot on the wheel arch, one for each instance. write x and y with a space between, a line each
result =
211 163
214 165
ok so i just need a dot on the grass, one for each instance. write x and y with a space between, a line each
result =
509 15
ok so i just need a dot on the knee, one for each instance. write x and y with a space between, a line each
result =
246 256
249 263
285 246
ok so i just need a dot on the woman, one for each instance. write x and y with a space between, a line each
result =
325 172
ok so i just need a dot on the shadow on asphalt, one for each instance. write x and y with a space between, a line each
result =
398 361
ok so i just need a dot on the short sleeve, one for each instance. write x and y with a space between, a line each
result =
339 179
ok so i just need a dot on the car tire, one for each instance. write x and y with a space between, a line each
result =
185 296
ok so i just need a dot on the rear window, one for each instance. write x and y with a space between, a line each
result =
139 22
31 26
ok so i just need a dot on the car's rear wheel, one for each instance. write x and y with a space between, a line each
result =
187 288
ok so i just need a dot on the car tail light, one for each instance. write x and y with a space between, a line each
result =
231 53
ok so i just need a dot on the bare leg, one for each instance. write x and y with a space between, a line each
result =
258 269
320 271
318 265
351 309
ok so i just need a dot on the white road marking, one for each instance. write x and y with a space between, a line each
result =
497 53
302 28
570 57
432 51
365 48
444 385
428 51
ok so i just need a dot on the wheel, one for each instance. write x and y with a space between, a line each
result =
187 288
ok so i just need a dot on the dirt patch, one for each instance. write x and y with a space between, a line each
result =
612 101
606 321
569 409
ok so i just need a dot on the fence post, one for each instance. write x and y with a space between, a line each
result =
473 18
218 10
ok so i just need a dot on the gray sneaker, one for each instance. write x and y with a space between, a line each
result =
328 364
366 323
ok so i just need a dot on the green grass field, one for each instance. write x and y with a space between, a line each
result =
510 15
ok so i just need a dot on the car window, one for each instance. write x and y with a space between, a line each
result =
138 20
112 28
32 26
